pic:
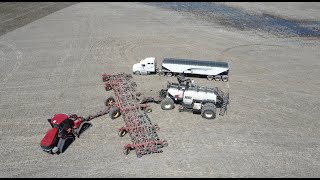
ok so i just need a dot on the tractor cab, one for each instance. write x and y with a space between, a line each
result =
61 122
61 126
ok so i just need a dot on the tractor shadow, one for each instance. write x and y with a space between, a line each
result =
67 144
69 141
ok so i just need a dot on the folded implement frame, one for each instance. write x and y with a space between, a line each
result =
137 123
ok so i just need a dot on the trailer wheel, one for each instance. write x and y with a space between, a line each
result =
217 78
167 104
137 72
210 77
162 74
225 78
110 100
208 111
169 74
114 112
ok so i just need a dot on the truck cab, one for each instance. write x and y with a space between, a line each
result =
145 66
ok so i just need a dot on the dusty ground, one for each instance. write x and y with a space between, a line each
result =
53 65
16 14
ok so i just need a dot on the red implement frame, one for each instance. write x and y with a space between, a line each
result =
143 134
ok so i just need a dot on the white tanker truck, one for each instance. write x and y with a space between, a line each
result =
172 66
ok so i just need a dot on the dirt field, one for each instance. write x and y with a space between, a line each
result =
16 14
53 65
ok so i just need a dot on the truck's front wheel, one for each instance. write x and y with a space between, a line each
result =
208 111
167 104
137 72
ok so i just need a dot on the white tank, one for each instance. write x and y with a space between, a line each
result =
177 93
199 95
192 93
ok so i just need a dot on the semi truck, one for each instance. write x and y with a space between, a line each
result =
212 70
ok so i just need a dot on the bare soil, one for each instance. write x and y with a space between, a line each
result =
54 64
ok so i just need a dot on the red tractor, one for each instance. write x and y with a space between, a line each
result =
64 128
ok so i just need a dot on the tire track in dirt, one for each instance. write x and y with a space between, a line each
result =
55 75
135 47
9 49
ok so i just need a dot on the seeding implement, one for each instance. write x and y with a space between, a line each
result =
137 123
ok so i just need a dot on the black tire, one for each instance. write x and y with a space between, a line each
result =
167 104
156 127
148 109
181 108
169 74
114 112
164 143
110 101
126 151
163 93
137 72
208 111
108 87
210 77
225 78
217 78
122 133
162 74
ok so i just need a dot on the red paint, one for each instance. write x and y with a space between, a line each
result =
77 123
59 118
49 138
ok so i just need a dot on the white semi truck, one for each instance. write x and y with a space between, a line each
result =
172 66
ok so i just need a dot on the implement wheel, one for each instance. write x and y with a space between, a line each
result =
126 151
110 101
114 112
108 87
148 110
122 133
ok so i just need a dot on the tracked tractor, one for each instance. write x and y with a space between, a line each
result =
64 129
